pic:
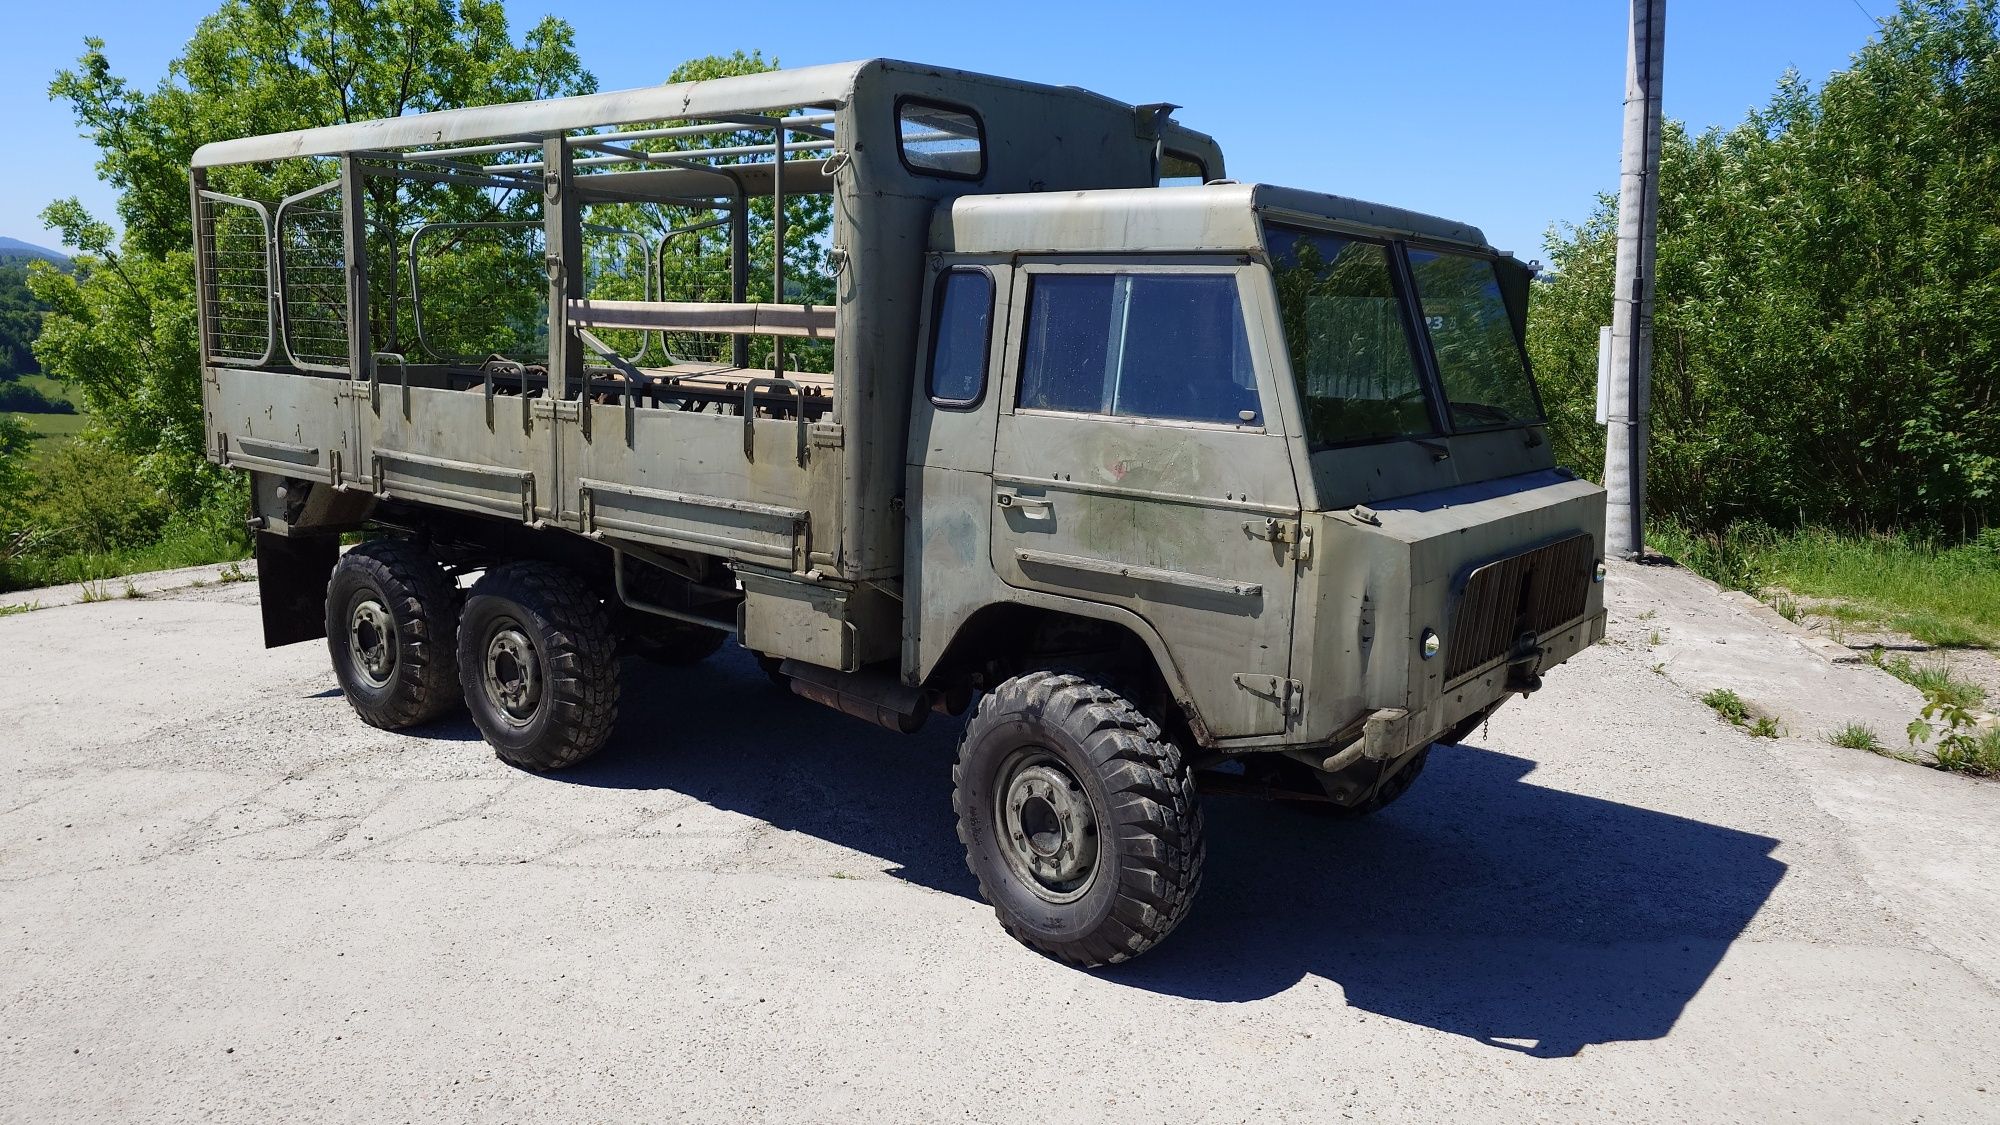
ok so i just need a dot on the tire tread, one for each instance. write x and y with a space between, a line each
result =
425 603
582 690
1151 797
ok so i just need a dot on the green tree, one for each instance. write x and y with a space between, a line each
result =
20 321
1827 338
14 442
695 264
122 327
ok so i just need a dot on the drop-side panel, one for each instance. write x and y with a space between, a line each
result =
685 480
291 425
456 449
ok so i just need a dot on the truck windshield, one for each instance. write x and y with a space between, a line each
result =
1476 329
1350 344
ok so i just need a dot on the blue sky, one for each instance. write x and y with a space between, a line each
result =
1497 112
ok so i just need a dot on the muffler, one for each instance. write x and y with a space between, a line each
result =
873 696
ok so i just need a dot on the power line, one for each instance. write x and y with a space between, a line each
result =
1864 12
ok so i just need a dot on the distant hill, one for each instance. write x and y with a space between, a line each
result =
15 249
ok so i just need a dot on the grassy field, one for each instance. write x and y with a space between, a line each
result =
53 388
1943 595
51 429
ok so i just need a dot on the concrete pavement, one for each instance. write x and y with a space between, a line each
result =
224 898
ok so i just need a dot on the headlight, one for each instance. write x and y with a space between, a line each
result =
1431 643
1598 574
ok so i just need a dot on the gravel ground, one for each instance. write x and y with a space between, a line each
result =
224 898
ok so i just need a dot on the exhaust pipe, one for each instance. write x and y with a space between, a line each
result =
872 696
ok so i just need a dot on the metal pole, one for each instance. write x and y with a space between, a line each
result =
739 270
778 243
354 254
1632 308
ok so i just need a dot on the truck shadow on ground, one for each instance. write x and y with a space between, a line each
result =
1483 905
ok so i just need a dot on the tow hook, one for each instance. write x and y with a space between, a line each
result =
1524 666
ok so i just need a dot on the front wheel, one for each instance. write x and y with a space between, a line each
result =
1078 817
538 661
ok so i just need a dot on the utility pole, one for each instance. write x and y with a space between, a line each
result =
1630 390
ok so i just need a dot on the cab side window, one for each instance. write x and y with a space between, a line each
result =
1164 346
961 329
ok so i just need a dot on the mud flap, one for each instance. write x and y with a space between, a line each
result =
292 572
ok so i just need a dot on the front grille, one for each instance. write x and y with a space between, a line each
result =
1533 592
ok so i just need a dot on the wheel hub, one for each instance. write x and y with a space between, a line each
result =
371 639
1048 830
513 673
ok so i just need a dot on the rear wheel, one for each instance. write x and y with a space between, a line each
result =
391 628
1078 817
538 661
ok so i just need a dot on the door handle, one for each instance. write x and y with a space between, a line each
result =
1030 507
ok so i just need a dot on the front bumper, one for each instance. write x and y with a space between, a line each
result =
1392 733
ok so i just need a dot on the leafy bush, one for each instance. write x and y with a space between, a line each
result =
86 498
211 532
1728 704
1957 745
1828 317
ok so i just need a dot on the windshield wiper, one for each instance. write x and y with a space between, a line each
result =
1481 410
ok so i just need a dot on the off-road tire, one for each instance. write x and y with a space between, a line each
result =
421 602
574 654
1149 839
680 646
1388 793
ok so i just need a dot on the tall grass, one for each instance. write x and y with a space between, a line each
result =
1942 594
198 538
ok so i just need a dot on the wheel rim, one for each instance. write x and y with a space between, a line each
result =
371 641
1048 830
513 676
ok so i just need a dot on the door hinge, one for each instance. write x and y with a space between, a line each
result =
1288 695
828 435
1289 533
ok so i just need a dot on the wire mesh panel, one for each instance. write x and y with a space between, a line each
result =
479 289
236 281
694 266
618 266
312 264
694 242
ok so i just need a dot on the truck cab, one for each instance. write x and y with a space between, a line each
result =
1289 440
940 393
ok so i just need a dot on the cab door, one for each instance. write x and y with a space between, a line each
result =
1140 461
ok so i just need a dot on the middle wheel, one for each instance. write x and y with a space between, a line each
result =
538 660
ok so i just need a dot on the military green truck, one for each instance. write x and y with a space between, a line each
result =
937 391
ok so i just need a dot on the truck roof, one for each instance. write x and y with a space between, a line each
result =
1205 218
829 84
